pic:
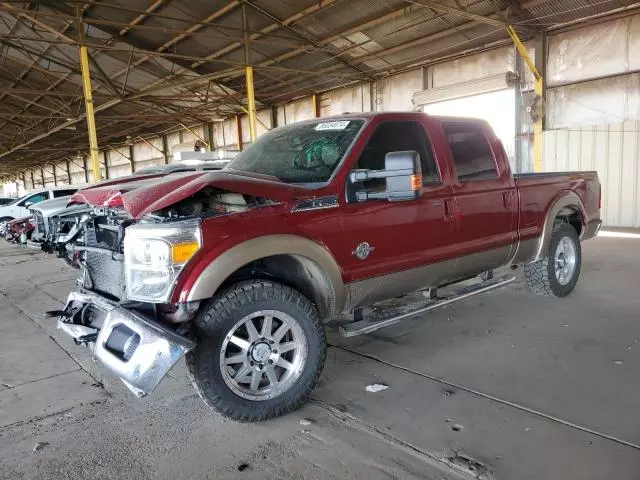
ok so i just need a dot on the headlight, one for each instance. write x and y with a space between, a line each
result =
155 254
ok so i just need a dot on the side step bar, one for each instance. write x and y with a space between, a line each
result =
367 326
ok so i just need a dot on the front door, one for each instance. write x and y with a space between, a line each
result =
387 243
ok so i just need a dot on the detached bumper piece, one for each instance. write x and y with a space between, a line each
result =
137 349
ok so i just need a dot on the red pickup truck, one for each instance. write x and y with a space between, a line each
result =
240 269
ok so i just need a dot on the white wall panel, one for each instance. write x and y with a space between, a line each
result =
396 93
264 121
608 100
613 150
351 99
590 52
299 110
473 67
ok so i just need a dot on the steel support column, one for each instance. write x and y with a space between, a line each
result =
539 90
519 130
248 73
239 131
251 103
107 158
316 105
33 182
132 159
165 149
86 170
91 121
69 171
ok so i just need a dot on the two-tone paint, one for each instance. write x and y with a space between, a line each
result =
453 230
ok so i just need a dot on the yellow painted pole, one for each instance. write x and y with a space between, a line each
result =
251 103
91 121
537 134
538 88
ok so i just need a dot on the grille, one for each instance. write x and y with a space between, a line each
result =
107 274
39 223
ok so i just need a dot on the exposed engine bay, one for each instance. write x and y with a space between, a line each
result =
94 243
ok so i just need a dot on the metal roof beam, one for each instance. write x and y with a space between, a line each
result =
441 7
149 10
288 27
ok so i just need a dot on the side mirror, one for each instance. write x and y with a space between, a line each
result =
403 177
27 204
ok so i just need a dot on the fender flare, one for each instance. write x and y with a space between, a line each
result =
317 260
567 199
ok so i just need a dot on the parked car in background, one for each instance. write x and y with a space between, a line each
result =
6 200
19 230
19 208
52 218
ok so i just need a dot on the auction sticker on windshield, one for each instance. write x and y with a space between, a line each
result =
340 125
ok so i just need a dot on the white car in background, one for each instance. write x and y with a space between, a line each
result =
19 208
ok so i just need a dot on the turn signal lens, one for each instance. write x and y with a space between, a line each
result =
182 252
416 182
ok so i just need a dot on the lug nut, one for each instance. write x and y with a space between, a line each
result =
261 366
251 363
270 362
274 351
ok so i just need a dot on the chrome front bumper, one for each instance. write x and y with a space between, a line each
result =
155 350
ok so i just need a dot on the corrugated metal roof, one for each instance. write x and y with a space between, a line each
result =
166 62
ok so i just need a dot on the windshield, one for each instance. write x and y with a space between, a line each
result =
300 153
18 199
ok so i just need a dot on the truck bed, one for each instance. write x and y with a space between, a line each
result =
537 192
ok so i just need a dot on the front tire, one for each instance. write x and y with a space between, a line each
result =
261 349
558 273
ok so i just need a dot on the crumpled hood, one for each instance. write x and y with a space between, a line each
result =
147 196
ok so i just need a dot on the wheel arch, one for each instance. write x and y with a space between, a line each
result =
292 260
569 205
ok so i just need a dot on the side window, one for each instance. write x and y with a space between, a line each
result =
395 137
37 198
63 193
471 152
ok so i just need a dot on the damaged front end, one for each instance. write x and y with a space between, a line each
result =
128 270
128 342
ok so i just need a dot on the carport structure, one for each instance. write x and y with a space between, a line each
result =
164 65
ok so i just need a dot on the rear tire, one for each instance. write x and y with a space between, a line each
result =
261 349
558 273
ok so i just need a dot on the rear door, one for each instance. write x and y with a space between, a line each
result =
485 197
382 237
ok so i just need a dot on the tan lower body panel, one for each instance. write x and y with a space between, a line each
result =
366 292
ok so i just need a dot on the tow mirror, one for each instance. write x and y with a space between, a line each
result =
402 175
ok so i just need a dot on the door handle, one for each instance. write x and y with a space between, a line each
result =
450 210
506 199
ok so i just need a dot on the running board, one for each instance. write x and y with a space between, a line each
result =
367 326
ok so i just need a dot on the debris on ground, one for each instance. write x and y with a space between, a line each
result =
242 467
376 387
456 427
618 362
39 446
306 422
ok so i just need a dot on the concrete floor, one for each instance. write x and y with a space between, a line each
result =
536 388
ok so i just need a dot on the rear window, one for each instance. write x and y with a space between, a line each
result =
471 152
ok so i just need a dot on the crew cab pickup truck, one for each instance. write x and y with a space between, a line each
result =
240 269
